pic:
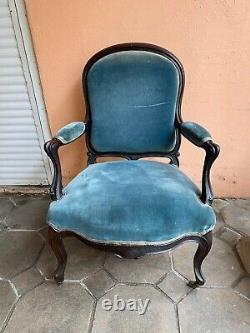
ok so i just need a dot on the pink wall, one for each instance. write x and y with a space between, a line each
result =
212 40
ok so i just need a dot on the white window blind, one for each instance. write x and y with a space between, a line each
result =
21 160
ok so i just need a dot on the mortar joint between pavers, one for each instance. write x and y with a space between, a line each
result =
70 281
110 275
182 277
238 280
162 278
241 295
9 315
95 297
88 291
22 271
184 296
91 273
92 316
164 294
29 290
14 288
234 230
239 259
171 259
39 271
12 200
177 317
41 236
242 234
134 284
98 269
39 253
22 230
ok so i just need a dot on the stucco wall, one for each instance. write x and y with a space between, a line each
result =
212 40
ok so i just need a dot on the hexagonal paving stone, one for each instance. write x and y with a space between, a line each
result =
82 260
243 287
5 207
98 283
221 267
18 251
27 280
52 308
159 315
31 215
237 217
174 286
146 269
7 299
214 310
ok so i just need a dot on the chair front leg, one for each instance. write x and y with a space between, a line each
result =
205 244
56 243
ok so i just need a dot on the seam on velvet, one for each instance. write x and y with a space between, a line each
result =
131 243
206 139
198 142
59 137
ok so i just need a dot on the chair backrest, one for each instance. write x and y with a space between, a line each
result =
133 96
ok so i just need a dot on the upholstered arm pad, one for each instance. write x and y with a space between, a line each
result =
65 135
195 133
70 132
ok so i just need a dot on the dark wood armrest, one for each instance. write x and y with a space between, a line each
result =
51 148
212 152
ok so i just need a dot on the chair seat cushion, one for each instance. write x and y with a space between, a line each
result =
131 202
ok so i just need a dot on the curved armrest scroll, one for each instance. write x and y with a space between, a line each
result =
65 135
51 148
212 152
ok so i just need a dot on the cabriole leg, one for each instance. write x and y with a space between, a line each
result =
205 244
56 243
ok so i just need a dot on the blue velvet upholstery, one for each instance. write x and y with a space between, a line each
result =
132 96
135 202
195 133
70 132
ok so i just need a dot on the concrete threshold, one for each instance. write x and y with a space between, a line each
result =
39 190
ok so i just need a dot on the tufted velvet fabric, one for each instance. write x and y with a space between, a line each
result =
137 202
195 133
132 97
70 132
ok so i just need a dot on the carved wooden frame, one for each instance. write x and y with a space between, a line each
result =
133 251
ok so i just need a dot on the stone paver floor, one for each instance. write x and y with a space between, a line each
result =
30 301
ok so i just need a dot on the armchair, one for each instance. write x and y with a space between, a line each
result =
132 207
